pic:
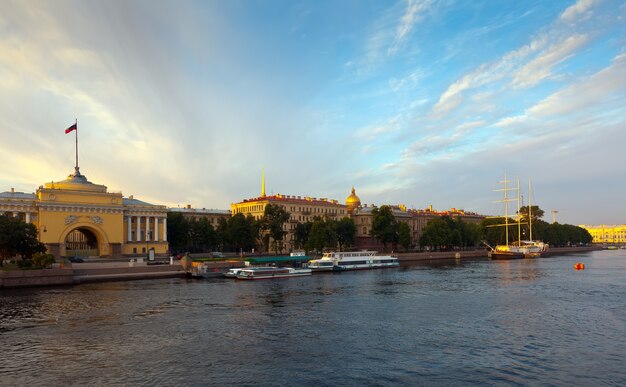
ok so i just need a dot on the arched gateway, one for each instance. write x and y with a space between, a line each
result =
75 217
81 242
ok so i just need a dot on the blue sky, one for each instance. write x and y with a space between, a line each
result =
411 102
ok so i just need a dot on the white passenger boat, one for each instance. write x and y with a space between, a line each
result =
352 260
232 273
255 273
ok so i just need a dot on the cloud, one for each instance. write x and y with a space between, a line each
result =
526 66
509 121
606 88
572 12
539 68
414 14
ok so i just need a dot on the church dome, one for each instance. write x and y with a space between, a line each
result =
76 182
353 201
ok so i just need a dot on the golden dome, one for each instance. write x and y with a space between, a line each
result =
353 201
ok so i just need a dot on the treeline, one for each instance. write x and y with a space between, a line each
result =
199 236
446 233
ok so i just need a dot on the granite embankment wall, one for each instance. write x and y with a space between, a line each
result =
120 271
436 255
44 277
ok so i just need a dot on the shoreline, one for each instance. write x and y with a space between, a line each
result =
89 272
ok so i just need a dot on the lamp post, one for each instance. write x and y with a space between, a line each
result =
148 236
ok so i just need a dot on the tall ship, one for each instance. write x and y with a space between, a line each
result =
352 260
521 248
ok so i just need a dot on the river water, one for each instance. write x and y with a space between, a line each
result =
480 322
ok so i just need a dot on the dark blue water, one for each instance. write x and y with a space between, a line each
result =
521 322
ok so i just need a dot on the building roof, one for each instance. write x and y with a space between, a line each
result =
17 195
131 201
295 199
76 182
188 210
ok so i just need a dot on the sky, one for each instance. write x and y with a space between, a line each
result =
418 102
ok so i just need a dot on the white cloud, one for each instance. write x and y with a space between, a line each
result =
526 66
508 121
414 14
470 125
580 7
605 88
539 68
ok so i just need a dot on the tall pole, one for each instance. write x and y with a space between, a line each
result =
76 131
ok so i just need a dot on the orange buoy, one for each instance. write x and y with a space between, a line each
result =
579 266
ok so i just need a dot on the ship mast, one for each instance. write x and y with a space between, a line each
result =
519 223
530 211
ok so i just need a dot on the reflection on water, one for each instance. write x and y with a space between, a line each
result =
483 322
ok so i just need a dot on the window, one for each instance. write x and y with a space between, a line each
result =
134 250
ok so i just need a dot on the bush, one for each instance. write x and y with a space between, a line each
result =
43 260
24 263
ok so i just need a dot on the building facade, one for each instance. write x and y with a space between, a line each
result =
607 234
75 217
212 215
305 209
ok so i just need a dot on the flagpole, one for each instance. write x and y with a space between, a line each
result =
76 123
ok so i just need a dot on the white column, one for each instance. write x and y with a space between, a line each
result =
156 229
129 222
147 228
164 229
28 217
138 235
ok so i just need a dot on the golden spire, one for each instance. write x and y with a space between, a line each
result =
263 183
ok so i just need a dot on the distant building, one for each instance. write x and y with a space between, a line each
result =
75 217
415 219
301 209
607 233
305 208
212 215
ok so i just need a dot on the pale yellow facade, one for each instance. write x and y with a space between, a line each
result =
301 209
612 234
75 217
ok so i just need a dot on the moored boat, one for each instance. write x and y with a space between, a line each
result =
232 273
520 248
352 260
255 273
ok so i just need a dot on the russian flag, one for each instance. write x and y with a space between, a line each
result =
73 127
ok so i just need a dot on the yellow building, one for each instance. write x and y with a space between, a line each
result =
75 217
613 234
300 208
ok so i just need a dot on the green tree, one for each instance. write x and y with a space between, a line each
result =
274 218
202 236
537 213
437 234
346 230
301 234
177 232
384 226
18 238
404 235
323 235
242 232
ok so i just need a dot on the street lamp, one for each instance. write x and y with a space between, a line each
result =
148 236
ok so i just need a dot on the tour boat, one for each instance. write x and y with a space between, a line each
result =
255 273
232 273
352 260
